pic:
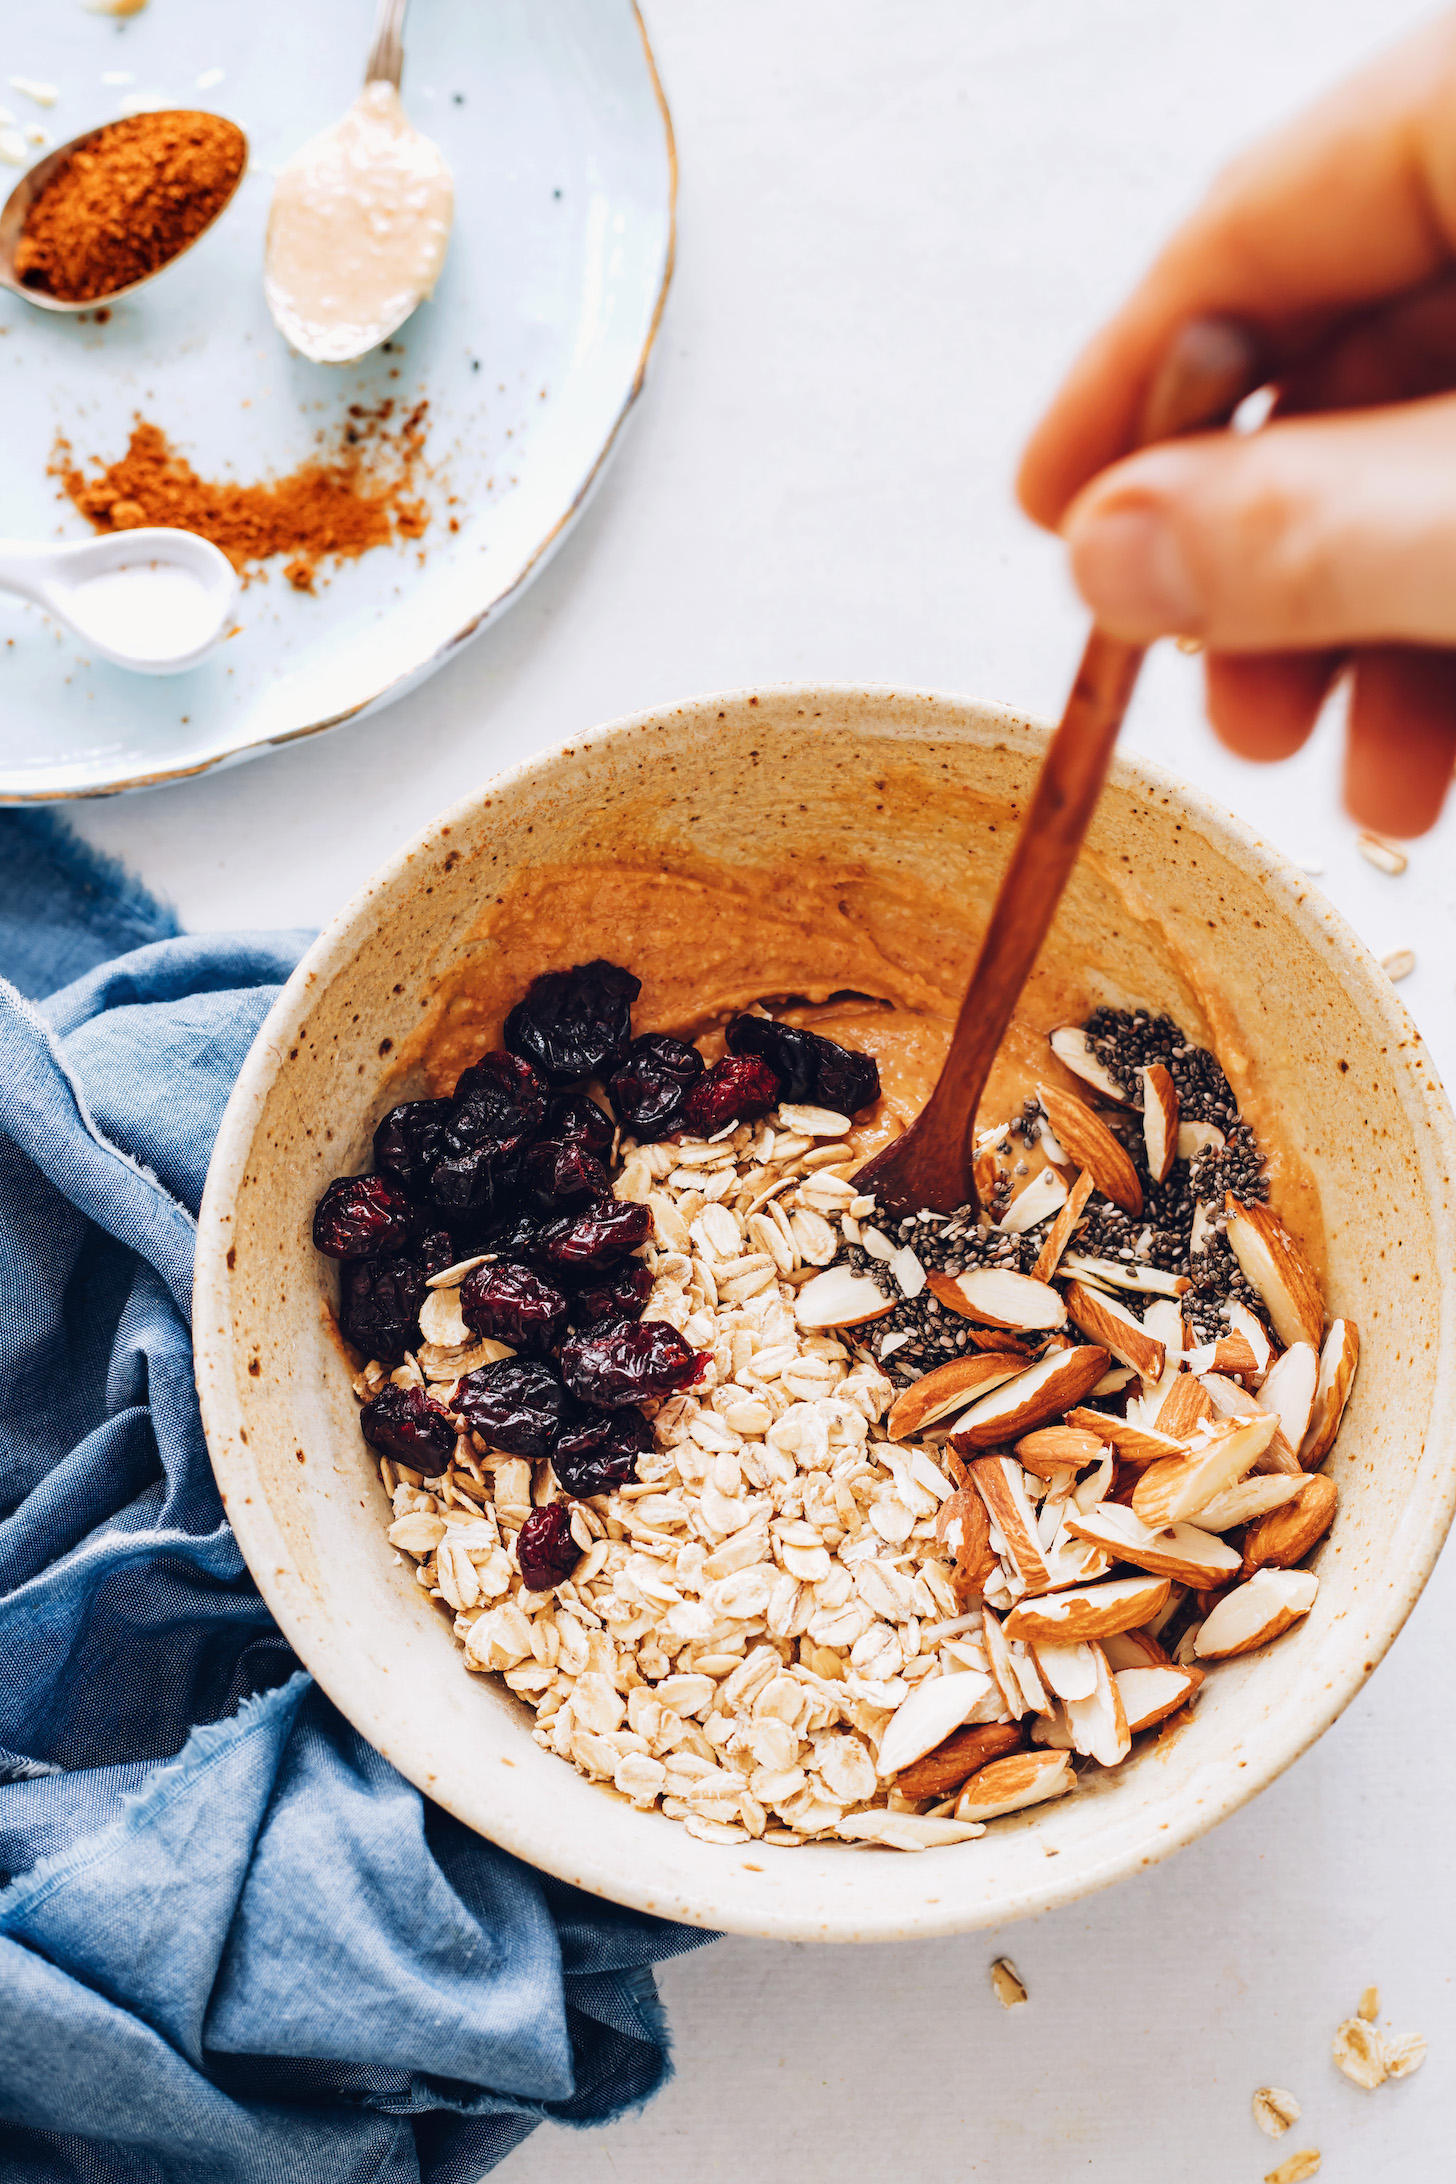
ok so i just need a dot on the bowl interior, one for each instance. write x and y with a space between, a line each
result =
891 813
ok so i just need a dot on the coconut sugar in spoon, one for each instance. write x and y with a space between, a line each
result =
1211 365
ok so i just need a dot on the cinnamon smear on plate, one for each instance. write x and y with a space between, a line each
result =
360 492
128 201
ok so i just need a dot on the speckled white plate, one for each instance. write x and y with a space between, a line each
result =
530 354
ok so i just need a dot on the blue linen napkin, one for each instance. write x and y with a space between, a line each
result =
235 1944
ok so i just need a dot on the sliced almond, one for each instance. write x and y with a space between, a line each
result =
1059 1235
1338 1361
1009 1785
1003 1670
1035 1397
963 1526
1231 1354
999 1298
1148 1281
1098 1723
1186 1406
1108 1321
1091 1145
935 1706
999 1482
1090 1611
1169 1492
1254 1613
1005 1344
902 1830
1070 1671
1248 1324
941 1772
1196 1137
1058 1448
1230 1400
1160 1120
1286 1535
1134 1649
1272 1261
1133 1444
1037 1203
1073 1050
840 1298
1151 1694
1114 1382
1251 1498
949 1388
1288 1391
1180 1551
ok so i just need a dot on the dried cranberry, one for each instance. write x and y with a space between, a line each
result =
515 1405
576 1119
407 1423
513 1304
545 1549
436 1251
379 1305
599 1450
499 1104
574 1024
808 1066
560 1175
737 1089
621 1296
408 1142
590 1242
629 1363
360 1216
649 1088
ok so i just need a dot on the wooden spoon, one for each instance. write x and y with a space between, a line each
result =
1211 365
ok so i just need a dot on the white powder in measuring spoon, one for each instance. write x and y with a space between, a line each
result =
358 230
150 611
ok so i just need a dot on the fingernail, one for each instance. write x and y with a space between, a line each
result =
1130 569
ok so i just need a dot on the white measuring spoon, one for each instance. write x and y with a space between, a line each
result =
155 600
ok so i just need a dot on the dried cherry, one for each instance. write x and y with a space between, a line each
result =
629 1363
408 1424
379 1305
738 1089
574 1024
648 1089
559 1175
361 1216
576 1119
619 1296
408 1143
545 1549
591 1242
512 1303
599 1450
515 1405
810 1068
499 1105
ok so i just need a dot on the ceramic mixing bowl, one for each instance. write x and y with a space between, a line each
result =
878 789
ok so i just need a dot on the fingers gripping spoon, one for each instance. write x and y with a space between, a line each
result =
1210 367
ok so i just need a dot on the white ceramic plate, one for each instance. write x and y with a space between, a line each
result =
530 354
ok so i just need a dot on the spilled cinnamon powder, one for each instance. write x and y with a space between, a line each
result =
359 493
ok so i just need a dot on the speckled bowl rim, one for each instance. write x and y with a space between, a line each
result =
1424 1103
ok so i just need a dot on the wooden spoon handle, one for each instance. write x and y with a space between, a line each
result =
1211 365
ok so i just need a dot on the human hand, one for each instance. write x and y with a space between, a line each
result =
1327 539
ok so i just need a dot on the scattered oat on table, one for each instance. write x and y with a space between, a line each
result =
1304 2164
1385 856
1404 2052
1357 2052
1010 1992
1369 2005
1399 964
1275 2110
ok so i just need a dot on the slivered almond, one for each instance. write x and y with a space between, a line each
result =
1073 1050
1132 1444
1003 1672
962 1525
1248 1324
984 1174
1098 1723
1231 1354
999 1298
1196 1137
1106 1320
1187 1405
1134 1649
1043 1195
948 1389
1338 1361
1009 1785
1270 1258
1254 1613
1058 1448
1286 1535
1288 1391
998 1481
936 1705
1088 1611
1090 1143
941 1772
1230 1400
1004 1343
1169 1492
1160 1120
840 1298
1033 1398
1059 1235
1148 1281
1151 1694
1252 1498
1179 1551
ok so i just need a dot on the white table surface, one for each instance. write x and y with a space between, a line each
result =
897 221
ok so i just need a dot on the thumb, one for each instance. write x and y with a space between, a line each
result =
1318 531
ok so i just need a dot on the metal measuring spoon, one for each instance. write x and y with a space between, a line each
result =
155 600
17 206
